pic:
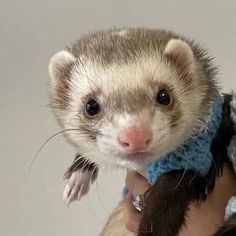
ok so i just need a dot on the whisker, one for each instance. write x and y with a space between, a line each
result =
178 184
214 163
44 144
93 172
154 71
100 198
195 175
190 162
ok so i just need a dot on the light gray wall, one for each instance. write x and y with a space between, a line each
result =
30 33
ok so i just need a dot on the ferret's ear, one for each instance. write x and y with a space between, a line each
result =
180 52
60 67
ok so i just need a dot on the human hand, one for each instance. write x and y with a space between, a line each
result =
203 218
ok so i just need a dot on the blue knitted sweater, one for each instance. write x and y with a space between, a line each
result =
194 155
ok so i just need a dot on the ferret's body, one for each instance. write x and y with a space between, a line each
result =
129 96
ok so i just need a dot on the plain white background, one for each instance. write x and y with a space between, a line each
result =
30 33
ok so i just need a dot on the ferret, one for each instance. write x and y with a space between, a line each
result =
125 97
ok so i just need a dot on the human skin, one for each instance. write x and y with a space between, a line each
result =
204 218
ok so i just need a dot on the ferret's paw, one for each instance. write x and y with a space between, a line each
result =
78 184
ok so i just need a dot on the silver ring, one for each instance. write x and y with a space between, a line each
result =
138 202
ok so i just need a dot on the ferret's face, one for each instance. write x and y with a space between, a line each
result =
128 114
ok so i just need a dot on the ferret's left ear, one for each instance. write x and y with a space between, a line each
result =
59 68
180 52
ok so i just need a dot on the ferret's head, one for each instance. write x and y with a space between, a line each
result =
130 96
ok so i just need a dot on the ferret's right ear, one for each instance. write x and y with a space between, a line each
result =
181 53
60 67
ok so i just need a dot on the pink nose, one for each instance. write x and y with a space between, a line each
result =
135 139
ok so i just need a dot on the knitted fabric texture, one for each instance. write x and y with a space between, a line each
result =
232 146
194 155
230 210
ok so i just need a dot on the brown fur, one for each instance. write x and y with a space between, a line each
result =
83 165
132 101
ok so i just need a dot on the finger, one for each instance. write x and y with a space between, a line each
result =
143 173
136 183
132 218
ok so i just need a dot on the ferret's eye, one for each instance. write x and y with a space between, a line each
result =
92 108
163 97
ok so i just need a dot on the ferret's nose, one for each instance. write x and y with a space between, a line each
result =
135 139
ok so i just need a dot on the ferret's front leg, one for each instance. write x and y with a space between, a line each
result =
166 203
80 175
